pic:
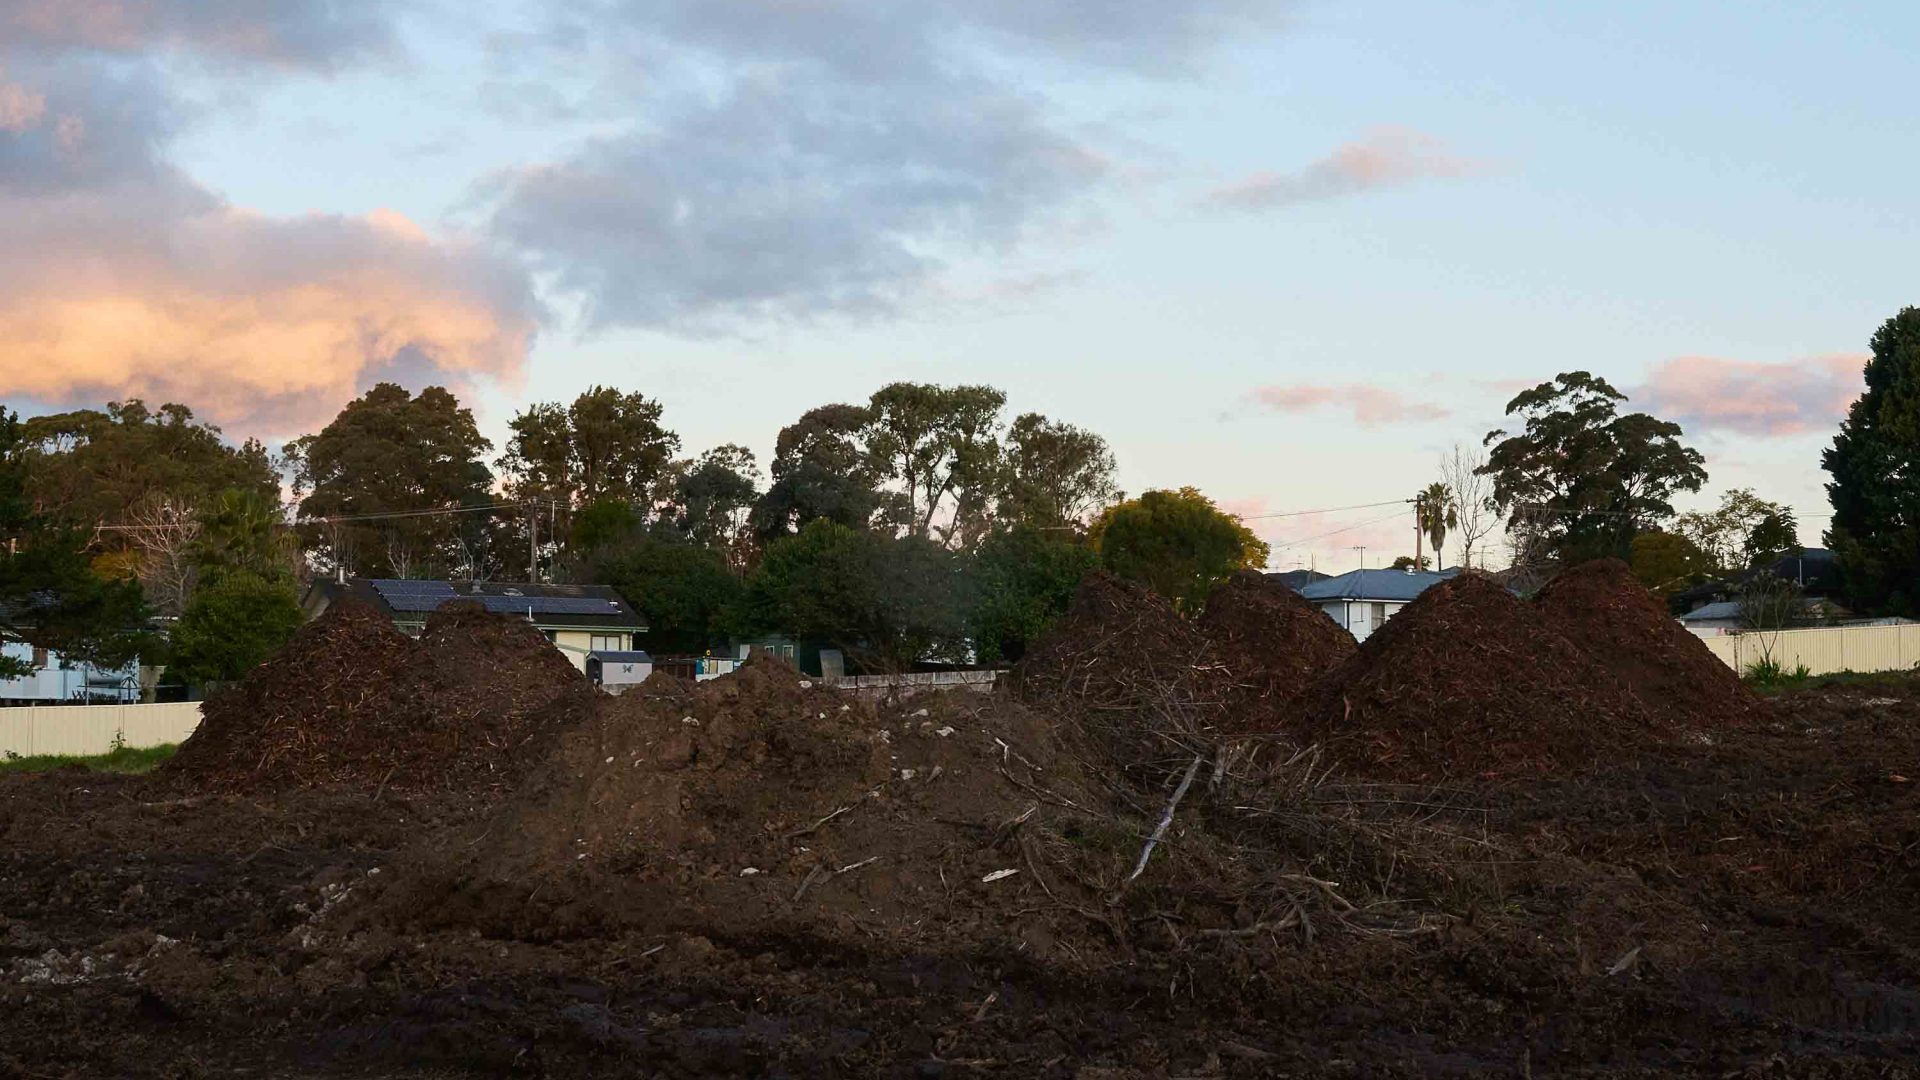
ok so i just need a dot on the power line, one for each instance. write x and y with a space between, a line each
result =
348 518
1337 532
1328 510
1796 512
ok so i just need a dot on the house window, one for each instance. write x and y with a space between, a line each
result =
786 651
1379 616
39 657
609 642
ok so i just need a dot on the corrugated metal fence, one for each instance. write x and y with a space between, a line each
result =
86 730
1824 650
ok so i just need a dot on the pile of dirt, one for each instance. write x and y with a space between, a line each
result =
1275 645
1123 666
351 700
762 802
1470 680
1694 908
1601 607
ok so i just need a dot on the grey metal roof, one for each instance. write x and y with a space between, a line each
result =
1388 585
1725 609
551 605
620 657
1297 579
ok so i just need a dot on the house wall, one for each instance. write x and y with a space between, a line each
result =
1356 616
60 681
575 643
85 730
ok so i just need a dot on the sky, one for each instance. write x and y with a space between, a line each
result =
1288 253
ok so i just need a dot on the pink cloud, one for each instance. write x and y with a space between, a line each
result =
1384 157
20 108
1748 397
265 325
1370 406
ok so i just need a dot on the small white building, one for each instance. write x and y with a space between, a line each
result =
614 672
1362 601
57 678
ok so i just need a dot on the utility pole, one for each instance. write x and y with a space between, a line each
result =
533 543
1362 549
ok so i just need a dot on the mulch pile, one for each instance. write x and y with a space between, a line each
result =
1470 680
1602 608
1275 645
352 701
1124 667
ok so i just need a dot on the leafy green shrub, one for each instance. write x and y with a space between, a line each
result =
1769 673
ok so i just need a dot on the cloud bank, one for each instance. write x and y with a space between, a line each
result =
293 33
841 154
1368 406
144 283
1385 157
751 162
1704 393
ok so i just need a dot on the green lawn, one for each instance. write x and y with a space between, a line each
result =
125 759
1768 683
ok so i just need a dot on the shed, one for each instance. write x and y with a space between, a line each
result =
615 671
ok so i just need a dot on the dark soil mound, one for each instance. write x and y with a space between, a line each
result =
762 802
1467 680
1274 643
1602 608
350 700
1125 667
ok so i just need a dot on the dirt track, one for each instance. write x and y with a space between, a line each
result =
1739 904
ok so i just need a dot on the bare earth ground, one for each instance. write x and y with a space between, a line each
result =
1746 903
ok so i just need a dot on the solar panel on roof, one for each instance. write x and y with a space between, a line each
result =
570 606
416 603
424 596
390 588
549 605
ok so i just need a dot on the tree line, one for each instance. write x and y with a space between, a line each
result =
1575 477
922 524
1578 477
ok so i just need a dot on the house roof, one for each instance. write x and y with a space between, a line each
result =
1817 570
1730 609
1297 579
620 657
596 607
1725 609
1386 585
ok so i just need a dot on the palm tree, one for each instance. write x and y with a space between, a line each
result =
1434 514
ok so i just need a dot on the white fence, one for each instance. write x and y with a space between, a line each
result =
1823 650
86 730
906 685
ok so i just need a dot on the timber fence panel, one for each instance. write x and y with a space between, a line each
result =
87 730
1822 650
